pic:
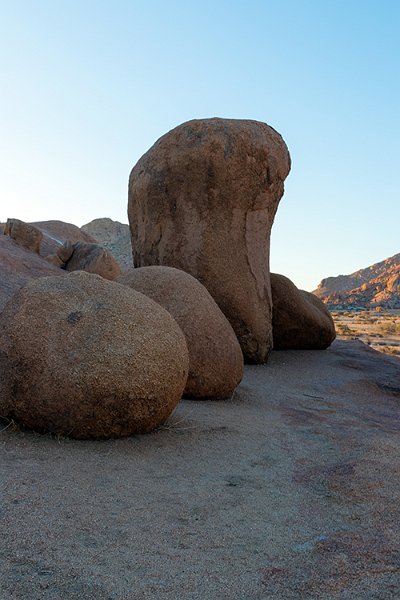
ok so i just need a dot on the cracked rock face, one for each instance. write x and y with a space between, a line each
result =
203 199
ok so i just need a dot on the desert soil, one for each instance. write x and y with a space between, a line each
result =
290 490
380 330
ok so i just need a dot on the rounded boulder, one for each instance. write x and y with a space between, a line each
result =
300 320
215 356
92 258
89 358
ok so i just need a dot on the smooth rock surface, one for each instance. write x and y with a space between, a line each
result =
89 358
300 320
289 492
215 357
203 199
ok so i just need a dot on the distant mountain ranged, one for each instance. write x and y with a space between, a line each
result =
378 285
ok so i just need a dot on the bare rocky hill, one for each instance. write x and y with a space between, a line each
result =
378 285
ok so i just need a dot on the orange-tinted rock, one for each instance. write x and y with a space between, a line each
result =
55 233
300 320
203 199
25 234
89 358
215 357
377 285
93 258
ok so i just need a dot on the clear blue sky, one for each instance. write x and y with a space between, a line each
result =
88 86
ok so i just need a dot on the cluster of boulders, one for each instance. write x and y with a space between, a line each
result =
92 350
78 255
84 256
114 236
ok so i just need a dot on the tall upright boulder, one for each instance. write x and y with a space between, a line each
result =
203 199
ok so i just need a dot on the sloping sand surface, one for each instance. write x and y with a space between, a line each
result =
290 490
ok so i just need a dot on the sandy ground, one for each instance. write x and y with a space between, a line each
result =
290 490
380 330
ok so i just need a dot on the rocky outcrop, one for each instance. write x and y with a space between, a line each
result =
17 266
83 256
300 320
25 234
92 258
215 357
89 358
375 286
55 233
203 199
115 237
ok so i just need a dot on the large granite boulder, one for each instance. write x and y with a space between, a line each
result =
89 358
115 237
203 199
92 258
18 265
300 320
26 235
215 357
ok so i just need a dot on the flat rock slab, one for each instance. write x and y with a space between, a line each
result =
289 490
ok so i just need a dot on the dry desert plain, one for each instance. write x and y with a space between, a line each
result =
290 490
380 329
